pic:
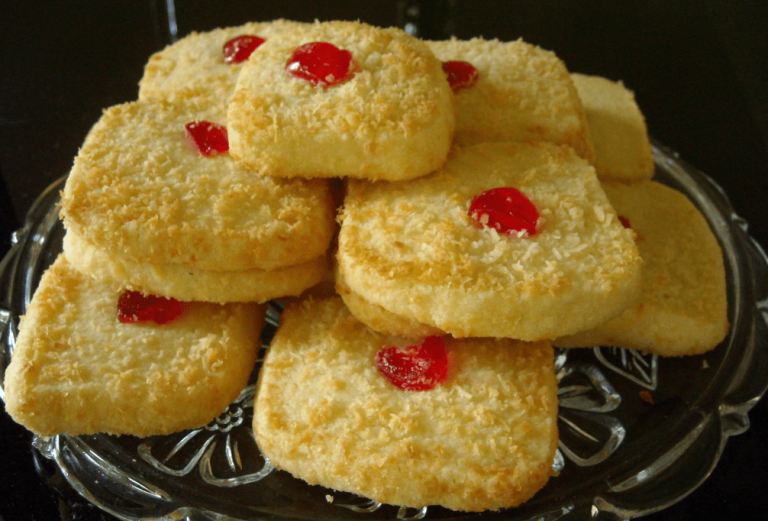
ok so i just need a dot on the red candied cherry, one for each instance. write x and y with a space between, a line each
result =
415 368
624 222
133 306
461 75
322 63
505 209
238 49
209 139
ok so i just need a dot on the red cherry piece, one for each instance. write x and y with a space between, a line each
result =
415 368
505 209
132 306
322 63
624 222
238 49
461 75
209 138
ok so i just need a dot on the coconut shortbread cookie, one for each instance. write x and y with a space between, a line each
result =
76 369
205 64
483 439
522 93
683 308
339 99
192 284
617 129
428 250
142 190
378 318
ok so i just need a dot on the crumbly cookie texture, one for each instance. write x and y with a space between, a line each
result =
523 93
483 440
194 65
412 249
140 190
77 370
683 307
192 284
617 129
394 119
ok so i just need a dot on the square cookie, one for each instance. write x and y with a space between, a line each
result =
76 369
193 284
617 129
484 439
415 249
683 306
523 93
199 64
142 190
385 112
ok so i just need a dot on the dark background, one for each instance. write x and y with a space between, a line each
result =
699 70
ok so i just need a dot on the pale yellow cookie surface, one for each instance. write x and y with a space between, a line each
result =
683 307
195 66
483 440
192 284
617 128
412 249
523 93
140 190
77 370
394 119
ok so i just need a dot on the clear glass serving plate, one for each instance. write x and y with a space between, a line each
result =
638 432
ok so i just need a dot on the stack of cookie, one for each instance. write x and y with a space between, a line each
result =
682 308
154 212
491 204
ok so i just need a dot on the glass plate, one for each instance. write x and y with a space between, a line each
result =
638 432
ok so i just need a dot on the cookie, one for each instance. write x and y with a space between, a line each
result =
683 307
413 249
140 190
77 370
523 93
390 117
484 439
196 66
192 284
617 129
378 318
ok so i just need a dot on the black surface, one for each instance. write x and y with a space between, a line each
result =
699 70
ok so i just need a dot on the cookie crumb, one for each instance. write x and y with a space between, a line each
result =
646 396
